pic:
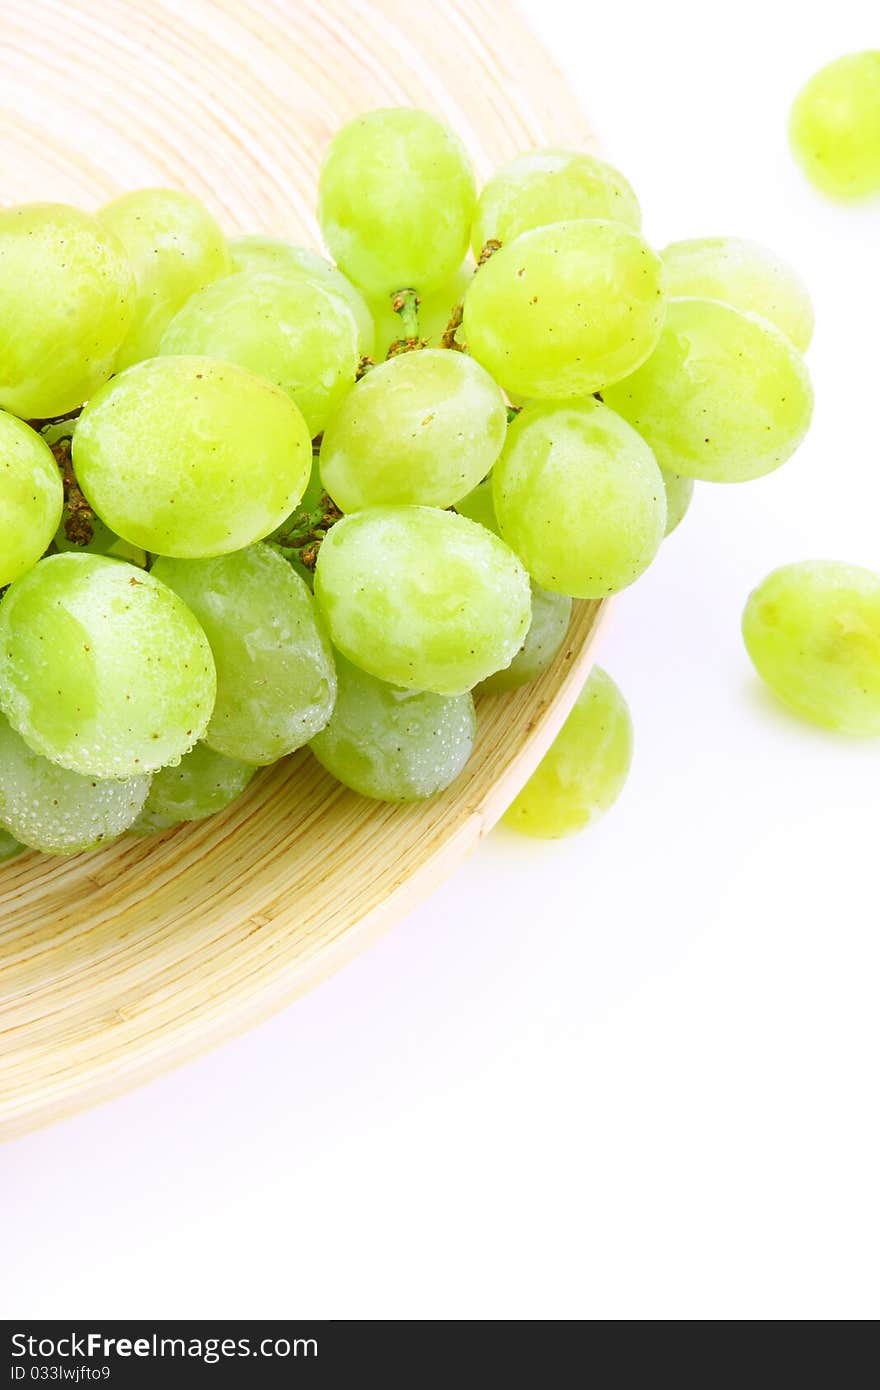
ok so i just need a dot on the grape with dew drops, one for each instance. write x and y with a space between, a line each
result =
104 670
422 598
175 247
276 682
190 457
264 254
201 784
49 808
395 200
391 744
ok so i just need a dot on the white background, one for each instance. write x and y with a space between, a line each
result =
631 1075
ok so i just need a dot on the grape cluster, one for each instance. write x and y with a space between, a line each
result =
251 500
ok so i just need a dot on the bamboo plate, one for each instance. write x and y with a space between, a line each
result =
119 965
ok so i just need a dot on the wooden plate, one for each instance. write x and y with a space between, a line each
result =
117 966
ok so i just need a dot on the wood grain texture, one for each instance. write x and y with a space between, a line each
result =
119 965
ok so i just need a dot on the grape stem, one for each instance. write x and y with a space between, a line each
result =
406 304
78 515
448 340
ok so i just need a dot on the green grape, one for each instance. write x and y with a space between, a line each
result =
275 676
479 507
546 186
424 427
834 128
65 305
31 497
579 498
585 770
189 457
679 492
102 668
724 397
395 201
271 255
286 329
46 807
392 744
435 311
9 848
812 631
422 598
566 309
202 783
744 274
551 613
175 248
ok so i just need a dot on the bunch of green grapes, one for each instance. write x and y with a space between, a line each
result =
253 500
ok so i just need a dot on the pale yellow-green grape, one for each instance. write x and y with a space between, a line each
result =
66 292
102 668
201 784
264 254
435 310
679 492
191 457
584 772
551 613
834 128
812 631
546 186
46 807
424 427
745 274
422 598
566 309
724 396
276 681
286 329
392 744
395 201
579 498
175 248
9 847
31 497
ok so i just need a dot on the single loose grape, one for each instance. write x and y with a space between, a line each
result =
579 498
276 681
724 396
551 613
423 428
584 772
190 457
65 305
286 329
422 598
175 248
744 274
566 309
392 744
834 128
395 201
31 497
9 848
679 492
266 254
812 631
546 186
48 808
435 311
201 784
102 668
